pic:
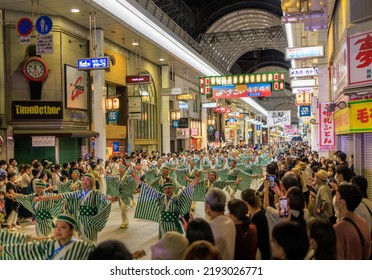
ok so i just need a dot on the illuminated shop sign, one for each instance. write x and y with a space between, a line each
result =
277 80
32 110
304 52
93 63
138 79
303 72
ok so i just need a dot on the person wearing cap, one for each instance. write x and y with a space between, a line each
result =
166 207
125 187
71 185
89 207
158 182
205 184
186 174
63 247
232 175
323 198
44 211
154 171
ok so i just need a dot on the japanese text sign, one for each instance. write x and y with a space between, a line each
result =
327 139
304 111
360 59
303 72
279 117
355 119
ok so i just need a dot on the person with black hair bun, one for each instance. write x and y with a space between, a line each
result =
289 241
199 229
246 233
322 240
110 250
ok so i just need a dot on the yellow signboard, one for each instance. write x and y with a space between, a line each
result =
342 121
355 119
185 97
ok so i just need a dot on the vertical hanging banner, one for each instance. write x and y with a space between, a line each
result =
279 117
327 139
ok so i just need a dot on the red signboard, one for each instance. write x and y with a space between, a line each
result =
222 110
138 79
228 92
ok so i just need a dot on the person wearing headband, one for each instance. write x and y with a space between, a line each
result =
44 211
166 207
71 185
89 207
158 182
63 247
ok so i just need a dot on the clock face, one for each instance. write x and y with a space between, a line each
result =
35 69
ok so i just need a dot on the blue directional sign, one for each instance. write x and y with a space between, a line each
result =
112 116
116 147
304 111
93 63
44 25
175 123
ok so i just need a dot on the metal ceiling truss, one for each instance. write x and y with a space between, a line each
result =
228 46
178 11
168 22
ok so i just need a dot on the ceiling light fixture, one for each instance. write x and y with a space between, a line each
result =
161 59
75 10
135 43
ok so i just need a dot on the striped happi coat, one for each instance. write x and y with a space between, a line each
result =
49 250
155 206
123 187
68 186
204 185
44 210
7 238
91 209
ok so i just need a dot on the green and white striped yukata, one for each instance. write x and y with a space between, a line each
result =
68 186
50 250
155 206
7 238
91 209
44 210
152 173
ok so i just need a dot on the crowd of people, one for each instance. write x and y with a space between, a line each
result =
260 202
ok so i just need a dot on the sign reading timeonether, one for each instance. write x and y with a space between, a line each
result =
36 110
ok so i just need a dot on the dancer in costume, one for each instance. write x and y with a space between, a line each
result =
165 208
43 210
89 207
71 185
63 247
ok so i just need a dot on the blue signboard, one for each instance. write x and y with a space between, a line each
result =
304 111
112 116
44 25
93 63
115 146
175 123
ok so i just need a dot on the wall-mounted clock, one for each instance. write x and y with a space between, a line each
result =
35 69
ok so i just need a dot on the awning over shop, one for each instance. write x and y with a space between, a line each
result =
77 133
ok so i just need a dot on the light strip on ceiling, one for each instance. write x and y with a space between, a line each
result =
255 105
134 18
288 32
